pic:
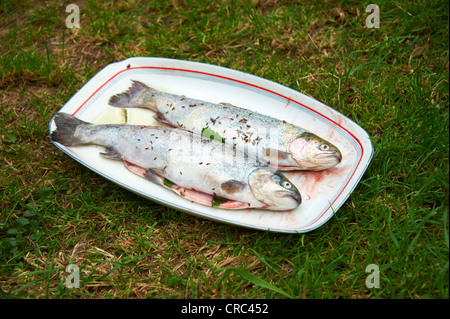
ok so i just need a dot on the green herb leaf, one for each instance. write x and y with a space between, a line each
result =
168 183
211 134
218 200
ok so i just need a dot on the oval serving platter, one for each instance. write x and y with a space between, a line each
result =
323 192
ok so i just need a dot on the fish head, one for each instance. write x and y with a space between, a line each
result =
314 153
273 189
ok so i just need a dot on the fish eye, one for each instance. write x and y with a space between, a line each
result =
324 147
286 185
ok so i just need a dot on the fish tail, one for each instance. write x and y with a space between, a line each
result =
66 125
136 96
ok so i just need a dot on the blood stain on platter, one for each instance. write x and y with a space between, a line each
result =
312 183
289 101
290 218
330 136
339 119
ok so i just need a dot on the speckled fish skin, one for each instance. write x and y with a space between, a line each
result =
185 159
283 145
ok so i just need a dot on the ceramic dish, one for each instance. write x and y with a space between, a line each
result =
323 192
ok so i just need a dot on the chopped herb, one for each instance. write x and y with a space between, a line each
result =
168 183
211 134
217 201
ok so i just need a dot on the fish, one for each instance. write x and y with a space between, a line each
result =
279 143
202 170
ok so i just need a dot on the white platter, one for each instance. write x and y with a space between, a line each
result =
323 193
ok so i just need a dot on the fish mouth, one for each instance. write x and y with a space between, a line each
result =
286 167
297 199
331 156
326 155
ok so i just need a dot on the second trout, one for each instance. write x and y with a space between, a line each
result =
283 145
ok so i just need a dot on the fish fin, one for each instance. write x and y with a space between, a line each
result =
148 173
111 153
133 97
161 118
226 104
153 176
274 156
66 125
232 186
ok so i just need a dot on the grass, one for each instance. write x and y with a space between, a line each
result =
392 81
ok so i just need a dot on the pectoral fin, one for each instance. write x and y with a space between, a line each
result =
232 186
161 118
154 177
111 153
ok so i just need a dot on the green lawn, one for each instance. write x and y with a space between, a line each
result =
393 81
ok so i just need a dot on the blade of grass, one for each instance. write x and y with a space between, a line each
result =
260 282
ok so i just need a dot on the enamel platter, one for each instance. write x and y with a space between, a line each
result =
323 192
